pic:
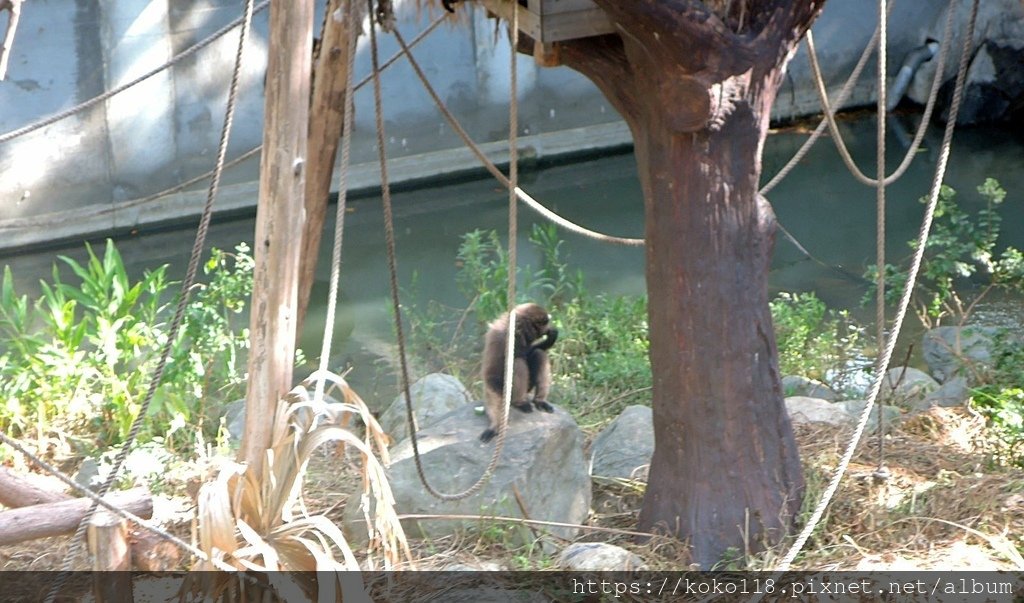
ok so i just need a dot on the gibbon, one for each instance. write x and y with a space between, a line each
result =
531 371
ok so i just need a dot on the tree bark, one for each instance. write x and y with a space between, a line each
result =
696 88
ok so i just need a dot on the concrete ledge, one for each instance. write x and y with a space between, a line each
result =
45 230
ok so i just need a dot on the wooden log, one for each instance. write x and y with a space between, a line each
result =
55 519
17 491
111 558
279 217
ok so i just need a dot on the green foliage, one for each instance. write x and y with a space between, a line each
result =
1001 400
960 247
817 342
79 360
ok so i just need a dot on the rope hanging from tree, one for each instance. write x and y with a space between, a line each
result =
922 240
389 235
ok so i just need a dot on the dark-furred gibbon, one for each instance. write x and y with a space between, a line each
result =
531 371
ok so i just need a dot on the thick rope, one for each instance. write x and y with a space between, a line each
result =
186 287
880 118
191 50
493 169
922 240
844 93
339 219
933 94
389 236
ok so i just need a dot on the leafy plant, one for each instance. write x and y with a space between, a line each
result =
817 342
77 363
960 247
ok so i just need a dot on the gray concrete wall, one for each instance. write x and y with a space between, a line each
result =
83 175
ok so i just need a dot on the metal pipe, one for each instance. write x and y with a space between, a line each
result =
907 71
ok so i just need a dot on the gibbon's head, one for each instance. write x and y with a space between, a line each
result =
532 322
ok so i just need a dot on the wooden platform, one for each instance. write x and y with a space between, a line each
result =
550 21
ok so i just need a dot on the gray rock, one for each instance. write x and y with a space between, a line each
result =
911 385
890 414
795 385
598 557
802 409
953 392
624 448
995 79
952 351
433 397
234 419
542 460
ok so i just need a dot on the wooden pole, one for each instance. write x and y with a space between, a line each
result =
111 558
326 118
279 217
17 491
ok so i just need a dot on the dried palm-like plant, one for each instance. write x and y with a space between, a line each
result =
260 525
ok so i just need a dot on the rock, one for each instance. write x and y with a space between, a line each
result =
953 392
598 557
995 79
795 385
951 351
624 448
234 420
433 396
542 460
802 409
910 385
890 414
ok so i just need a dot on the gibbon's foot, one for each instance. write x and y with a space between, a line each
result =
523 406
488 435
543 405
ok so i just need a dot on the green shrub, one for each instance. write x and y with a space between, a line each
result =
77 363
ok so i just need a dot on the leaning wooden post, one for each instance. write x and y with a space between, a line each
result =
279 217
111 557
326 119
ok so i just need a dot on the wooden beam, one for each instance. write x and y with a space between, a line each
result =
326 117
279 217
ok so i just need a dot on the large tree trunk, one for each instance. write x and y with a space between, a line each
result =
696 88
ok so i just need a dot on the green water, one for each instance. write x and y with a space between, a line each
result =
831 214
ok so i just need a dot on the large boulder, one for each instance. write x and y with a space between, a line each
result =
433 397
541 467
795 385
905 386
802 409
625 447
958 351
